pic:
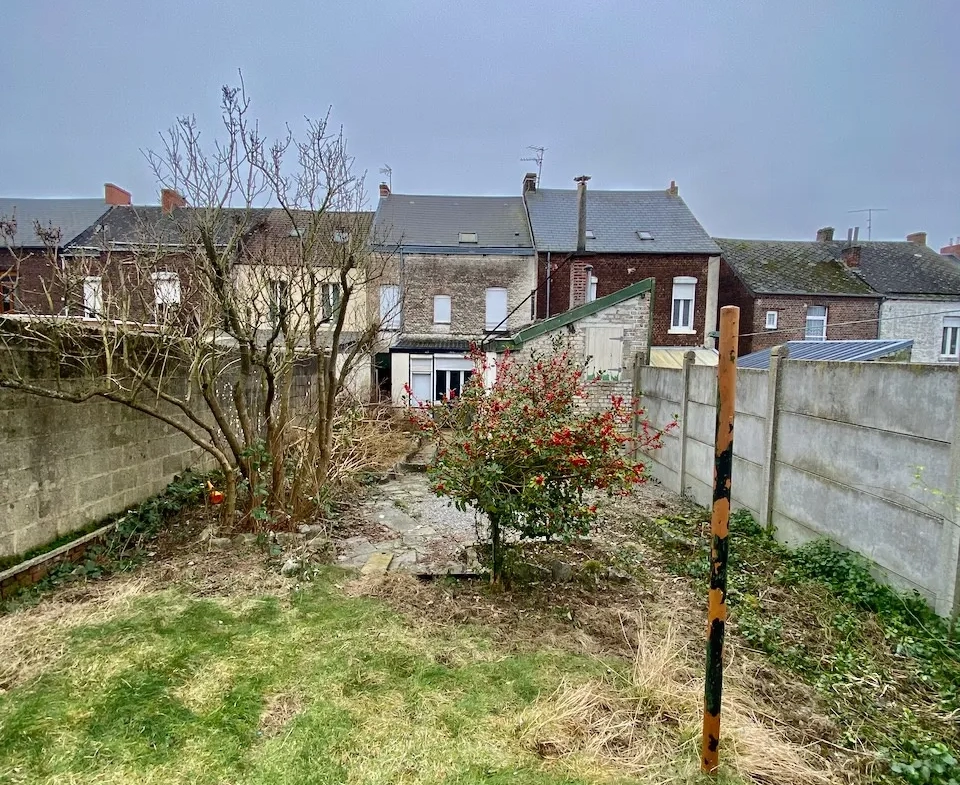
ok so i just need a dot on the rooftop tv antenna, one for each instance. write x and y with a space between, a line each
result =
537 158
388 172
869 211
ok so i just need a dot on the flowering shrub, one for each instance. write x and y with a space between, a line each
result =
525 451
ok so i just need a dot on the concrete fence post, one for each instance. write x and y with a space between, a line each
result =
778 354
639 360
689 359
948 597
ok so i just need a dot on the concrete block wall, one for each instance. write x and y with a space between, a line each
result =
831 450
65 465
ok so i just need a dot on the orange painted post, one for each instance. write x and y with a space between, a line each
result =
722 477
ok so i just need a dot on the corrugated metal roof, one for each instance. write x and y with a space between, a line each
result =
848 351
437 221
615 218
70 216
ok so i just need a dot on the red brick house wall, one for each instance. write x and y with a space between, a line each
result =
617 271
792 314
32 279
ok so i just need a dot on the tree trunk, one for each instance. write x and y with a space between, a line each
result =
229 506
496 551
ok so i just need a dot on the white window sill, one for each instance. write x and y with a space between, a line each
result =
681 331
948 358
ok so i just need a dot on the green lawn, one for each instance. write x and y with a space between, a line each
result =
320 688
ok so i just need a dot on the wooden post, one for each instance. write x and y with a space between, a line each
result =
722 476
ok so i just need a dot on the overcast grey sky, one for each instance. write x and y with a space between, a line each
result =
774 117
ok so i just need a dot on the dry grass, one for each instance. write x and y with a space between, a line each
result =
278 711
647 722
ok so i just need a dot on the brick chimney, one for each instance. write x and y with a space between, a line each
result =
115 195
580 274
952 249
170 200
918 238
384 189
673 190
825 235
851 256
530 182
581 182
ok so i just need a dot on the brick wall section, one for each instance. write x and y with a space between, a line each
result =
792 318
633 315
792 315
465 278
617 271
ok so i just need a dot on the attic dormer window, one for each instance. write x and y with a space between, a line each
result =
591 235
341 236
644 235
468 237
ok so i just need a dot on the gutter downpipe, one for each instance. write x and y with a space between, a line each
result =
549 276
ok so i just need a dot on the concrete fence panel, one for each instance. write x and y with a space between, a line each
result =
864 454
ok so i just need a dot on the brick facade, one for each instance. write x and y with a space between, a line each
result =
465 279
617 271
792 314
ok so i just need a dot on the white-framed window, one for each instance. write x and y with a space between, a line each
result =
92 297
592 282
166 288
496 313
279 295
468 237
441 309
684 295
341 236
421 379
771 322
816 329
950 340
390 307
330 300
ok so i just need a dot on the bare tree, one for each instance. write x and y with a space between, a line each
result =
240 316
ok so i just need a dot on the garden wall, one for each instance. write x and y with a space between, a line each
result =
865 454
65 465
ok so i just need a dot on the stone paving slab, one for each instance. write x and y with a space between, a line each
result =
431 537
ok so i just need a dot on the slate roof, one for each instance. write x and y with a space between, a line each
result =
792 267
849 351
129 225
435 222
799 267
907 268
438 344
615 217
71 216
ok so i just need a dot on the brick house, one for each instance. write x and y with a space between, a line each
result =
793 290
29 279
592 243
464 270
849 289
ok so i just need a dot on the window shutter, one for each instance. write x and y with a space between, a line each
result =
604 347
496 309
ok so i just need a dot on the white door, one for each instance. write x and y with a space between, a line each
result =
422 386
